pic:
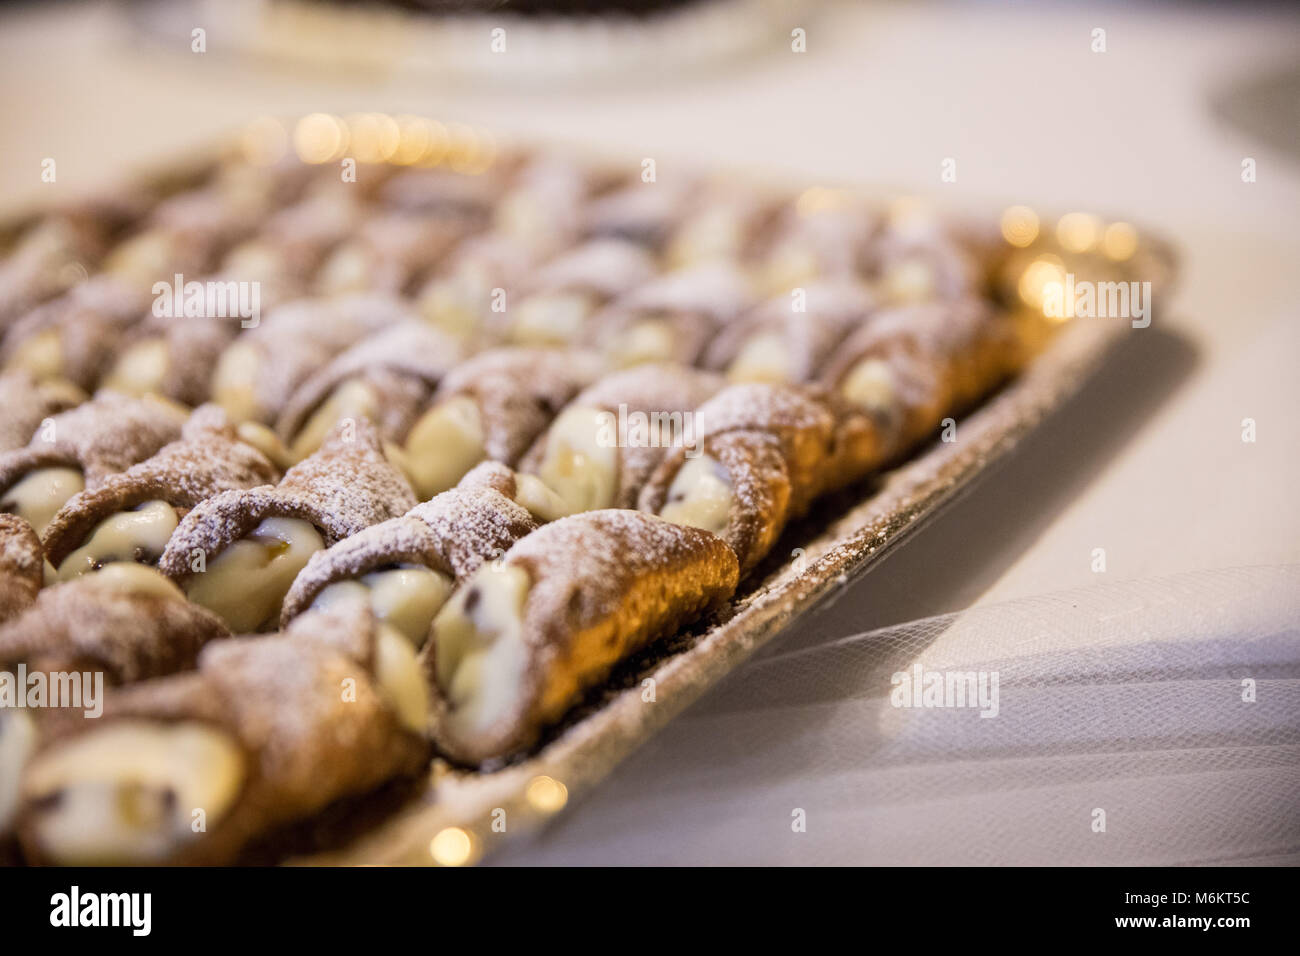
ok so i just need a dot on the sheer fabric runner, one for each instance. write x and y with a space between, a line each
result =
1125 733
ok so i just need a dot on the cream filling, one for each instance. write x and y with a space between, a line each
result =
350 399
400 680
870 385
41 354
714 234
267 442
581 460
142 259
443 445
764 358
555 318
246 583
138 579
911 280
347 270
405 598
480 656
790 265
17 741
137 535
234 382
456 303
541 502
38 495
700 495
650 340
140 369
127 793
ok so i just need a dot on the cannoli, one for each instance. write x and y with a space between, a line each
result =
469 288
128 622
456 196
172 357
909 268
721 227
259 372
763 453
521 641
406 567
51 256
640 212
78 449
906 368
603 446
387 254
542 207
789 338
236 553
388 378
492 406
22 564
560 299
187 234
826 234
129 516
28 401
190 768
672 318
74 337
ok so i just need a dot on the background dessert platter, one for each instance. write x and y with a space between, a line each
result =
408 485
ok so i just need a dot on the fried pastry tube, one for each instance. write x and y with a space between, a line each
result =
460 296
387 378
22 563
788 339
128 622
907 368
78 449
406 567
522 640
172 357
130 515
672 318
644 213
74 337
825 234
51 256
267 731
388 254
238 552
721 227
28 401
559 301
764 452
492 406
603 446
542 209
260 371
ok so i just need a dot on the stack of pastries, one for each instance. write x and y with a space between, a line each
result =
491 434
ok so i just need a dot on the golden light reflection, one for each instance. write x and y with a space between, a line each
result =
1020 226
265 141
1078 231
1036 278
452 847
546 794
374 137
319 137
1120 241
